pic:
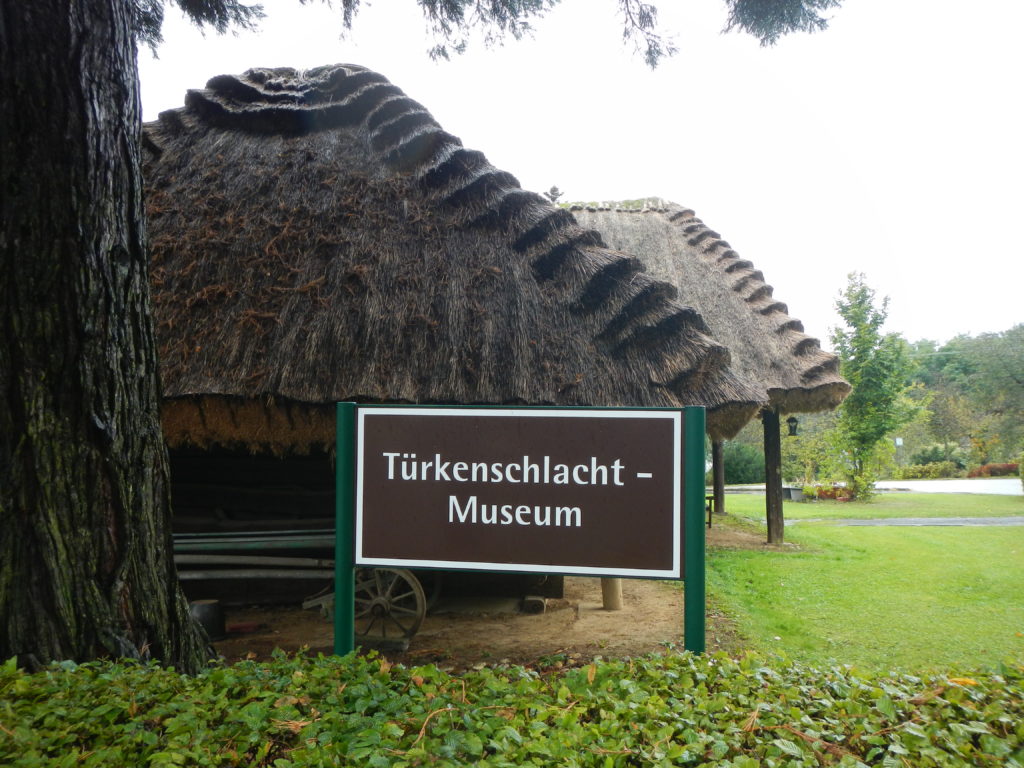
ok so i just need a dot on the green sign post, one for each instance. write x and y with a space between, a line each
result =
694 600
610 492
344 565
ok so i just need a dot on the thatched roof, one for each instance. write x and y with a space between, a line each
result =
317 236
767 345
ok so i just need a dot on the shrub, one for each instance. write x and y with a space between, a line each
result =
931 471
832 492
995 470
827 491
861 487
743 463
913 472
937 454
930 455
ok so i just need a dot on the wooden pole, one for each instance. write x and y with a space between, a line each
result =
773 475
718 476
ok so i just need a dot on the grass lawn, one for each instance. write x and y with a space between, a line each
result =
751 505
910 598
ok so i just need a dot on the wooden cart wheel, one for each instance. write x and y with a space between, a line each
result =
390 604
433 585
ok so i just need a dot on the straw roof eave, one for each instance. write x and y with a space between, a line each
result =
768 346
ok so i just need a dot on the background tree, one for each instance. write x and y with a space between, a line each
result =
995 385
768 20
878 367
950 419
977 392
85 550
807 457
452 23
744 463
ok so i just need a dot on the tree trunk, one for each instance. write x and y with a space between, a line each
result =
85 549
773 475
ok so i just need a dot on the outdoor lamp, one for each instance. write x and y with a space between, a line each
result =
791 422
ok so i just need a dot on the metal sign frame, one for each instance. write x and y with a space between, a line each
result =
687 525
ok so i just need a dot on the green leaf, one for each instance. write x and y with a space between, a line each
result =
472 744
972 726
788 747
886 706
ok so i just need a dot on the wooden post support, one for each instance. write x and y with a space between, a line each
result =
718 476
611 594
773 476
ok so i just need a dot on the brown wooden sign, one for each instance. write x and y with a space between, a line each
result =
583 491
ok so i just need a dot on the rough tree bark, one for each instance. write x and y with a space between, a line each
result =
85 561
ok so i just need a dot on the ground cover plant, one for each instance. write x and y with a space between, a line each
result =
883 505
676 709
880 596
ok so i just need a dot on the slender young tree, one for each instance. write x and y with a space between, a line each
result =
85 552
878 368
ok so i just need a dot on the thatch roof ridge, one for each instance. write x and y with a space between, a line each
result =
641 205
318 236
797 373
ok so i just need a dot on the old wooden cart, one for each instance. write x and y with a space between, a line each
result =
390 603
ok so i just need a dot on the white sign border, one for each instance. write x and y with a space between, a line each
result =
676 416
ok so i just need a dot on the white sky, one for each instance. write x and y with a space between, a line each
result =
889 144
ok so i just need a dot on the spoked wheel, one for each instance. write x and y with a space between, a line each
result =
390 605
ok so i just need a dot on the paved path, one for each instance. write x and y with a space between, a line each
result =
1000 486
920 521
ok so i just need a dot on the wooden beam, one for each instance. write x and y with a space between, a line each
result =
718 476
773 475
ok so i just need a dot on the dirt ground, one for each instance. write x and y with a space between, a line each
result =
575 628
